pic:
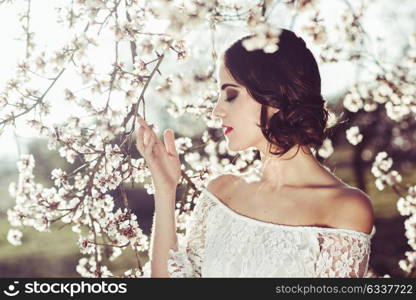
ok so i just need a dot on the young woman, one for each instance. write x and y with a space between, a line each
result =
298 219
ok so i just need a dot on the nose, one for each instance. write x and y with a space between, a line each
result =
218 111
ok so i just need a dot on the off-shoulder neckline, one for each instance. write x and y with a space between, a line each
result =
264 223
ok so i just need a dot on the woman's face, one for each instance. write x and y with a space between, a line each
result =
237 109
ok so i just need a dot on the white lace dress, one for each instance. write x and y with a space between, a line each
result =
219 242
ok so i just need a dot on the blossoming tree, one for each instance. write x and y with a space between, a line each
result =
100 141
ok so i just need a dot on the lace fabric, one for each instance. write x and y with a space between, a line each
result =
220 242
186 258
342 255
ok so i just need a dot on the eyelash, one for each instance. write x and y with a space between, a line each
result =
230 99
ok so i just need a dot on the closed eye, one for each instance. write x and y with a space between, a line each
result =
230 99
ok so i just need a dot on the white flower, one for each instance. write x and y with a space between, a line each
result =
26 163
76 228
140 68
265 37
382 164
370 106
353 102
146 269
12 189
303 5
408 264
41 223
59 177
327 149
116 253
406 206
14 237
85 246
68 153
354 136
393 177
396 112
379 184
84 267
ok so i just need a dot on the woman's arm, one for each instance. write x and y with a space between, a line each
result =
165 167
180 255
163 233
346 254
175 255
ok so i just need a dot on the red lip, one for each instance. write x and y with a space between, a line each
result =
227 129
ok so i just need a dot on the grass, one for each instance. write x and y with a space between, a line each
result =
51 254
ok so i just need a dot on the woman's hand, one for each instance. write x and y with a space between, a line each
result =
162 159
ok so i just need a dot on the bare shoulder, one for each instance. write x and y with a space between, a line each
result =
352 210
219 182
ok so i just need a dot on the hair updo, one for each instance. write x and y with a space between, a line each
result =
289 80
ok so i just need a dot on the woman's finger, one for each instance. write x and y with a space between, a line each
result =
141 121
158 142
148 129
139 140
169 139
142 126
149 148
147 132
146 136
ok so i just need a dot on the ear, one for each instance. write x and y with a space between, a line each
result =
271 111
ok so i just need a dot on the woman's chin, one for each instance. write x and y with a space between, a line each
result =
233 147
229 144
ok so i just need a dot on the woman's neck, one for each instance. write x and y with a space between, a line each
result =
297 167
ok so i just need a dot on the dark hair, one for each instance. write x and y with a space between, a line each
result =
289 80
